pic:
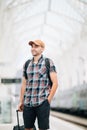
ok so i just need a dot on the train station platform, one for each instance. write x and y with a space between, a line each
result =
55 124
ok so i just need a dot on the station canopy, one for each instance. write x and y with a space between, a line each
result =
58 23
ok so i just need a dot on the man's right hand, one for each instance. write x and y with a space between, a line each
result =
20 106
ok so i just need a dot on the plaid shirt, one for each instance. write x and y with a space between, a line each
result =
37 86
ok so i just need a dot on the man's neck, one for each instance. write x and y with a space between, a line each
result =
36 58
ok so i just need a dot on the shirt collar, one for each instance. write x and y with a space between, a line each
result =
40 59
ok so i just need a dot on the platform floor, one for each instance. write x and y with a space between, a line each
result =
55 124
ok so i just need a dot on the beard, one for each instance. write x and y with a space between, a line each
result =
34 53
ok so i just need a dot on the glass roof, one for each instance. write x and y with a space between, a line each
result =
58 23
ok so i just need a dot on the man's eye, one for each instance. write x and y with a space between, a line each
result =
36 45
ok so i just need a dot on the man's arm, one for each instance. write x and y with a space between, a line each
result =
53 76
21 102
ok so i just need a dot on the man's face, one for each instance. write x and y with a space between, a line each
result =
36 49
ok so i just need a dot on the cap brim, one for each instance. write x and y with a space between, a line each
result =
32 42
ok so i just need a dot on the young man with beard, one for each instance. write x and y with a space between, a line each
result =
36 90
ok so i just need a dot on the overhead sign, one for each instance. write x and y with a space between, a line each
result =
9 80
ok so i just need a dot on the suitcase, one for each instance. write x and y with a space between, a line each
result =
18 127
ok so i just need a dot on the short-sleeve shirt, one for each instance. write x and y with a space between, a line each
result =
37 85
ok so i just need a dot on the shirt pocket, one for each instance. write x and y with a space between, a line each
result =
42 72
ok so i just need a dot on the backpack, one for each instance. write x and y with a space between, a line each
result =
47 64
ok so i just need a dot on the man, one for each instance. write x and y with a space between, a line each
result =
36 92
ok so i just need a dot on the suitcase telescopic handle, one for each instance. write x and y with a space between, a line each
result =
17 117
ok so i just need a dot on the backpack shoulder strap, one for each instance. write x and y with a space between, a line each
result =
47 64
26 65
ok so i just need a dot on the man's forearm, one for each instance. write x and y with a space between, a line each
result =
22 94
23 86
53 90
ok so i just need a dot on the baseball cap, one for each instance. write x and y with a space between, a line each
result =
37 42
